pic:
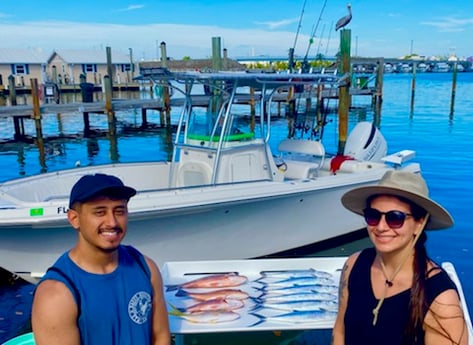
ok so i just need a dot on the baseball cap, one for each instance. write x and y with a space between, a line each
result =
89 186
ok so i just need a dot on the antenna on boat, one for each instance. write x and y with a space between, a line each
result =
305 63
291 50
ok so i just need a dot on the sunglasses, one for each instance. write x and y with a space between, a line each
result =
394 219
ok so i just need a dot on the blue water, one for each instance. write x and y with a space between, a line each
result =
442 141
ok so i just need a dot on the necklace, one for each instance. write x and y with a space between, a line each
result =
389 280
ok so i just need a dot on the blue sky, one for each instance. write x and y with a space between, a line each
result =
247 28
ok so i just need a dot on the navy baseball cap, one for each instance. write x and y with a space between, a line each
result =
89 186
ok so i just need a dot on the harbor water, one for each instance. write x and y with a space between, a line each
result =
442 139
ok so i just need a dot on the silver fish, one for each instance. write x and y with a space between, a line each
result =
302 305
295 281
317 288
298 316
298 296
295 273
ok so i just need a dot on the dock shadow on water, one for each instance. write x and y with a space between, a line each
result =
16 296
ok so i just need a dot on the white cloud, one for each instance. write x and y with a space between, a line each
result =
181 40
450 24
280 23
131 8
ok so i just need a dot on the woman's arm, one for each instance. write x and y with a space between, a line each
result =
444 323
338 336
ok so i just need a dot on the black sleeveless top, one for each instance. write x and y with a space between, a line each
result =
394 313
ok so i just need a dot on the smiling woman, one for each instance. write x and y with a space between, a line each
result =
394 293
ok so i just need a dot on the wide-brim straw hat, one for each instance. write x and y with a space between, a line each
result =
408 185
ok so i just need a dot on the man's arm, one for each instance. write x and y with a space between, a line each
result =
54 315
160 331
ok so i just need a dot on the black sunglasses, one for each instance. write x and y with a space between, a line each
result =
394 219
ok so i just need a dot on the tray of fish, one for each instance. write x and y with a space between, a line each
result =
246 295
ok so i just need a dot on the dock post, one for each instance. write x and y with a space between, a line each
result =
378 94
37 120
85 116
216 54
413 85
454 88
112 128
344 90
109 67
166 116
11 90
253 109
17 121
109 107
144 118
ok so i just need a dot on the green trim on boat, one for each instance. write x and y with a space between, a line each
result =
231 137
35 212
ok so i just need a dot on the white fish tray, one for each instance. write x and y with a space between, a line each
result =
175 273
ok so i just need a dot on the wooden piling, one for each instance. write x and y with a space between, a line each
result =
109 107
12 90
216 54
165 115
378 94
253 110
454 88
144 118
413 86
109 67
37 120
344 90
85 117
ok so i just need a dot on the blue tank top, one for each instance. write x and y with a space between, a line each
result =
114 308
394 313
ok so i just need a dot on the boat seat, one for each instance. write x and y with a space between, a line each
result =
303 158
193 173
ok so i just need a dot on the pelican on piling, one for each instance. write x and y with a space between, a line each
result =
342 22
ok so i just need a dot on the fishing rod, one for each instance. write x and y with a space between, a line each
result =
305 64
291 50
299 25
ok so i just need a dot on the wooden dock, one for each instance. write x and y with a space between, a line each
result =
21 113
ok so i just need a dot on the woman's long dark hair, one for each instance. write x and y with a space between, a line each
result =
418 303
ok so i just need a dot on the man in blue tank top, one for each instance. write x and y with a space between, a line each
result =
100 291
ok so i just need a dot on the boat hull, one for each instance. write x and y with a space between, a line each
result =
259 224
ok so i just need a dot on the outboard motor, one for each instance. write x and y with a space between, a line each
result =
366 143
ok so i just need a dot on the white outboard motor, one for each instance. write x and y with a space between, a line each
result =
366 143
